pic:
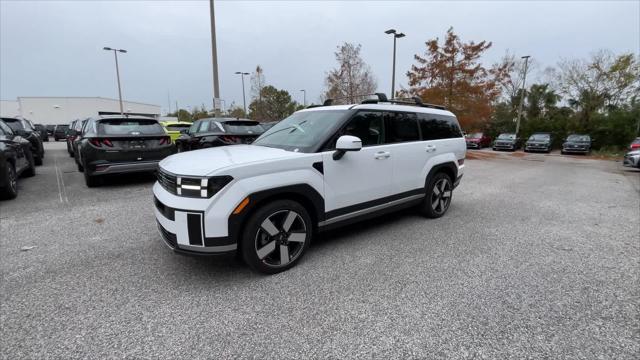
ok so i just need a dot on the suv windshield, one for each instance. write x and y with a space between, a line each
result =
578 138
302 131
14 124
506 136
129 127
539 137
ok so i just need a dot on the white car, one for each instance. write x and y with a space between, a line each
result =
319 168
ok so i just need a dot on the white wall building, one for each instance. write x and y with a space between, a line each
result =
62 110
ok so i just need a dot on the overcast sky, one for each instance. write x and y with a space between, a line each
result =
54 48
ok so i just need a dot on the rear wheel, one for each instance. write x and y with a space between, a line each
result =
10 190
276 236
89 180
37 160
438 197
31 170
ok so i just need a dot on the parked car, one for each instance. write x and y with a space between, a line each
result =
212 132
539 142
268 125
50 129
175 128
577 143
60 132
44 135
632 159
24 128
118 145
319 168
73 135
506 141
16 159
635 144
478 140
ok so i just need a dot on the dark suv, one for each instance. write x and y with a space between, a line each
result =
25 129
212 132
60 132
42 130
577 143
117 145
73 135
15 160
539 142
506 141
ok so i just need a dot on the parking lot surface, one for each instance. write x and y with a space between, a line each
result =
538 257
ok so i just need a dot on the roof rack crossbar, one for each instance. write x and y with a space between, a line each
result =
416 101
381 98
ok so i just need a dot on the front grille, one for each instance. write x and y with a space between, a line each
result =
169 238
167 181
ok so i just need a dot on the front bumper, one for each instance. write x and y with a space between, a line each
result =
504 146
575 150
473 145
544 148
185 230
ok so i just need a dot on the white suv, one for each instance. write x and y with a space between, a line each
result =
317 169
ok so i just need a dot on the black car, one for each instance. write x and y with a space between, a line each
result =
506 141
60 132
577 143
50 129
73 135
25 129
539 142
211 132
117 145
44 135
15 160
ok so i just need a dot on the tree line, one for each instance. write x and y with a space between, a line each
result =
597 95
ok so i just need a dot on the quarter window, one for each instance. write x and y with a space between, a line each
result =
436 127
401 127
368 126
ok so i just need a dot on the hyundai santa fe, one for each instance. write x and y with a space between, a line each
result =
319 168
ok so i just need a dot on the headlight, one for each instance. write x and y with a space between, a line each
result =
200 187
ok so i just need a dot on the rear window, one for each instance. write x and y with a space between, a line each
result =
62 127
178 127
14 124
243 128
129 127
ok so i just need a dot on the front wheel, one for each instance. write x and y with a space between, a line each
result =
438 196
31 170
276 236
10 190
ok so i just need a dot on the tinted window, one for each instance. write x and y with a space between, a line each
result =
177 127
246 128
4 129
204 126
368 126
436 127
401 127
14 124
129 127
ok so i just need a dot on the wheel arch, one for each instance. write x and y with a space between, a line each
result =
449 168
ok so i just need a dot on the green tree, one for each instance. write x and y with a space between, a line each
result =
275 105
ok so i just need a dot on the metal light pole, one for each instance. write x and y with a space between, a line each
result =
396 36
214 60
244 99
524 78
304 98
115 53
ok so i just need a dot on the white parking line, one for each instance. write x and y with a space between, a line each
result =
61 188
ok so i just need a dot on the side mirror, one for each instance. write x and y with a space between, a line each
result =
346 143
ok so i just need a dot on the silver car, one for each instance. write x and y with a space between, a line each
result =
632 159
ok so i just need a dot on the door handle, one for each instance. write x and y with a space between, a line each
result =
382 155
430 148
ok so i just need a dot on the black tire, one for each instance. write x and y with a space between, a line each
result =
37 160
265 239
31 170
438 197
80 167
91 181
10 190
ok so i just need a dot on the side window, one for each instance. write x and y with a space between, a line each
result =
401 127
436 127
368 126
204 126
6 129
194 127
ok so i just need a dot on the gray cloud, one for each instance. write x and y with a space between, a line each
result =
51 48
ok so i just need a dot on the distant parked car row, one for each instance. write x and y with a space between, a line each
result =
537 142
212 132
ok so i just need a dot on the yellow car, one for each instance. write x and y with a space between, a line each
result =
173 128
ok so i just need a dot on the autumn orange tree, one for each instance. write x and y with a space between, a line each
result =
451 74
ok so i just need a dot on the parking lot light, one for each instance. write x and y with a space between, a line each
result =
244 99
115 53
396 35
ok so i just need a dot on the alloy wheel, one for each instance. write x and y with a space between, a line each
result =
281 238
13 182
441 196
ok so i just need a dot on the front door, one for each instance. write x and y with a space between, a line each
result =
359 176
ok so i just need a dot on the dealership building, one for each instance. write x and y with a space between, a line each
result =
62 110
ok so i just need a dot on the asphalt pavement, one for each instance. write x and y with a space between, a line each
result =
538 257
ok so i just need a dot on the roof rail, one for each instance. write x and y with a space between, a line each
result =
381 98
417 101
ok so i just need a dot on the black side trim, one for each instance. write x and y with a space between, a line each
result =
372 203
194 228
370 215
319 166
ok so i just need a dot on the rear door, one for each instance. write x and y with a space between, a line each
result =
409 151
360 179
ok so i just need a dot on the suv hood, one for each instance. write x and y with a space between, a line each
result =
206 161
